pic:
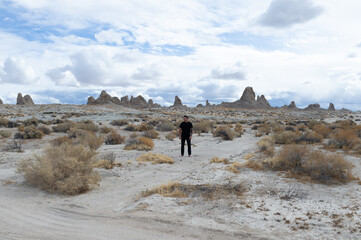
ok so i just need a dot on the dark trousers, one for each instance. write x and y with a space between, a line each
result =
183 140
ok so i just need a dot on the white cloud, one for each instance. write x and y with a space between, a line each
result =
15 70
234 72
111 36
285 13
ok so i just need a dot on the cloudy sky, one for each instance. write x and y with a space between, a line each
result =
62 51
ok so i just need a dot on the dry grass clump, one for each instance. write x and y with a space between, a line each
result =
114 138
206 191
285 137
61 140
302 161
30 132
106 129
139 143
219 160
263 129
238 129
309 137
225 132
31 121
65 169
5 134
265 145
85 138
322 129
202 126
155 158
234 167
254 164
153 134
4 122
87 125
119 122
45 130
171 136
165 126
107 162
138 128
343 139
63 127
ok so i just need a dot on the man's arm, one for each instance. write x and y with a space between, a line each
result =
180 133
190 137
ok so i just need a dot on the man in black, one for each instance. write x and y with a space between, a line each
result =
185 133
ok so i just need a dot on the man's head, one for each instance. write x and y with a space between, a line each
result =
185 118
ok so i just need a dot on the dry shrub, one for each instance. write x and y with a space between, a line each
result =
343 139
322 129
5 134
63 127
234 167
30 132
31 121
302 127
265 145
225 132
114 138
238 129
219 160
107 162
171 136
61 140
165 126
90 139
285 137
106 129
155 158
202 126
139 143
206 191
138 128
45 130
119 122
153 134
264 129
254 164
65 169
87 125
4 122
301 161
309 137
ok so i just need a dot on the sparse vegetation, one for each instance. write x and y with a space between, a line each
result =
30 132
285 137
206 191
225 132
63 127
138 128
119 122
5 134
219 160
139 143
65 169
106 129
202 126
155 158
165 126
114 138
107 162
265 145
153 134
171 136
234 167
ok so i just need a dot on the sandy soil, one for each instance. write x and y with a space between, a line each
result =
273 207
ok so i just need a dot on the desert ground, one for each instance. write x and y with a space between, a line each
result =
224 200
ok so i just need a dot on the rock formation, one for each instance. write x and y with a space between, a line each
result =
138 102
199 105
124 101
292 106
177 102
1 101
313 107
263 101
26 100
104 98
207 103
248 101
331 107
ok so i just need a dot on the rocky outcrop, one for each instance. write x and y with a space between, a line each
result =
124 101
248 101
199 105
331 107
1 101
292 106
138 102
26 100
207 103
103 99
177 102
313 107
263 101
